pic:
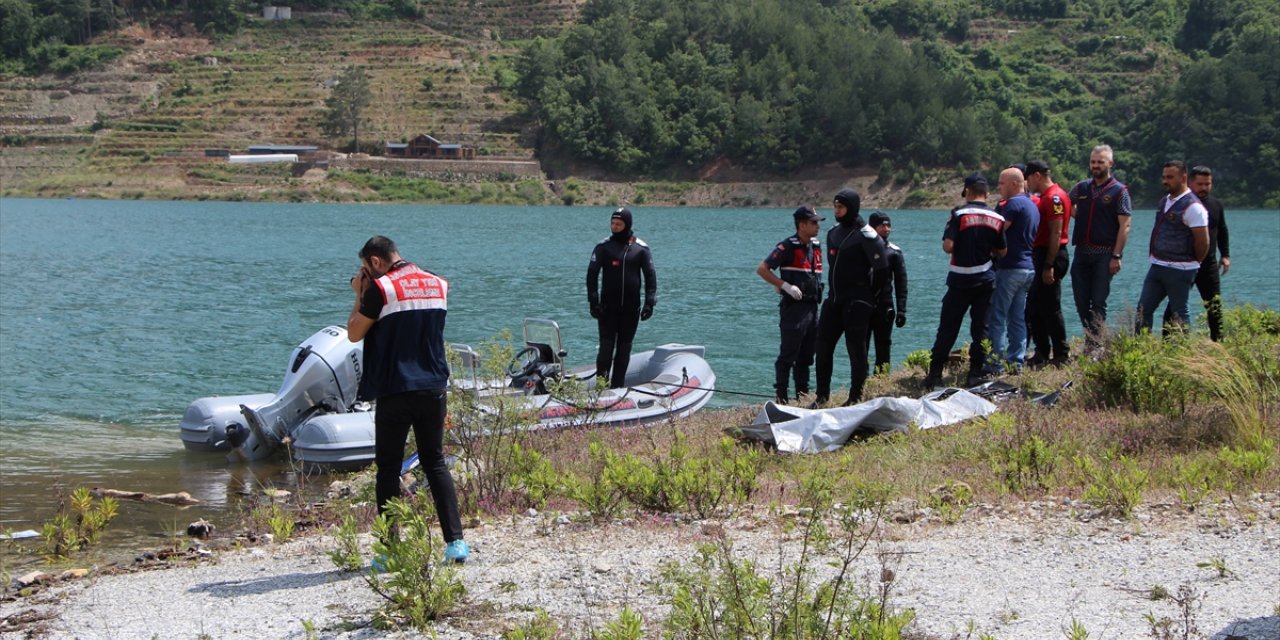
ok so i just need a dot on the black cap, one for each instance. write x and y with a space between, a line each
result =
806 212
976 180
1037 166
1021 167
878 218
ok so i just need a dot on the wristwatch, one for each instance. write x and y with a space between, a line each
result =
1117 256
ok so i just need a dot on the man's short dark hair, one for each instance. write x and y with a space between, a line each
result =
1177 164
380 246
1201 170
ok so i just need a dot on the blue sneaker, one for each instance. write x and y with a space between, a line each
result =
378 564
457 551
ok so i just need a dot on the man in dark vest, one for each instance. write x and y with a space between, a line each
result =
1103 212
1179 244
854 252
974 236
1208 280
798 260
399 313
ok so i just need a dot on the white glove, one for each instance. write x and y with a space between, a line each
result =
791 290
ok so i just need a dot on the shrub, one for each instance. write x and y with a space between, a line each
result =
1136 373
597 492
676 479
488 431
417 586
347 554
1115 485
719 595
78 523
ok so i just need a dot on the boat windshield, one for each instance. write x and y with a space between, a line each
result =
543 333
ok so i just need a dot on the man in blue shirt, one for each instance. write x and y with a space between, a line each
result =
1014 273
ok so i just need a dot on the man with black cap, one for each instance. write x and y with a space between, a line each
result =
798 260
854 252
884 285
613 293
974 235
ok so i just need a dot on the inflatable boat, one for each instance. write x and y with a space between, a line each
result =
316 417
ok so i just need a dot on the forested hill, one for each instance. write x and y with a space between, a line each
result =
667 88
780 84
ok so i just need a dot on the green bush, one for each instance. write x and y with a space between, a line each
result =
1136 373
720 595
1115 484
597 491
78 523
676 480
417 585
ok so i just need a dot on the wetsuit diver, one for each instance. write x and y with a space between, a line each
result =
613 292
854 252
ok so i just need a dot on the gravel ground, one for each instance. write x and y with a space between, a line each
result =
1025 571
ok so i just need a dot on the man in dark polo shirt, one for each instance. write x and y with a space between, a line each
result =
399 313
974 236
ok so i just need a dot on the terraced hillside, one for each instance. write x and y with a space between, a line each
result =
145 122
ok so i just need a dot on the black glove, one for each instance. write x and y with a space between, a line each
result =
595 309
646 312
901 319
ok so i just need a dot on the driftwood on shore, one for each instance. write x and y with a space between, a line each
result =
179 499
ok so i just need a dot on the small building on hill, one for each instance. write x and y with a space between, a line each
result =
425 146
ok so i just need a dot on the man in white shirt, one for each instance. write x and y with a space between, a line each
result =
1179 242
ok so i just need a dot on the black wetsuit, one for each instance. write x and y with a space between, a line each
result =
887 285
613 291
854 251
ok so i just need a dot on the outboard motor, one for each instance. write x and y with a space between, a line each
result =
323 376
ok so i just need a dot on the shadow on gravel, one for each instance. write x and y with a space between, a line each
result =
235 588
1264 628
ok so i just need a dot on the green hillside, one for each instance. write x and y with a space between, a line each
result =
913 92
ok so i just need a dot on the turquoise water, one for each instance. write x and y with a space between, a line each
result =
115 315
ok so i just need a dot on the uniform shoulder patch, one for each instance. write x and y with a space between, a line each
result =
641 243
868 232
894 247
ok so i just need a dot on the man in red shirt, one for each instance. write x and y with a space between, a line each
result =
1049 257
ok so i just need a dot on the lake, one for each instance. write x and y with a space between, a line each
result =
114 315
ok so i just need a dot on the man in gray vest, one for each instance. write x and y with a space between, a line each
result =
1179 243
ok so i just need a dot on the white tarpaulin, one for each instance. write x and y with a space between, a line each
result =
796 430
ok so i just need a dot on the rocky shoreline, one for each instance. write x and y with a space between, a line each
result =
1023 570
